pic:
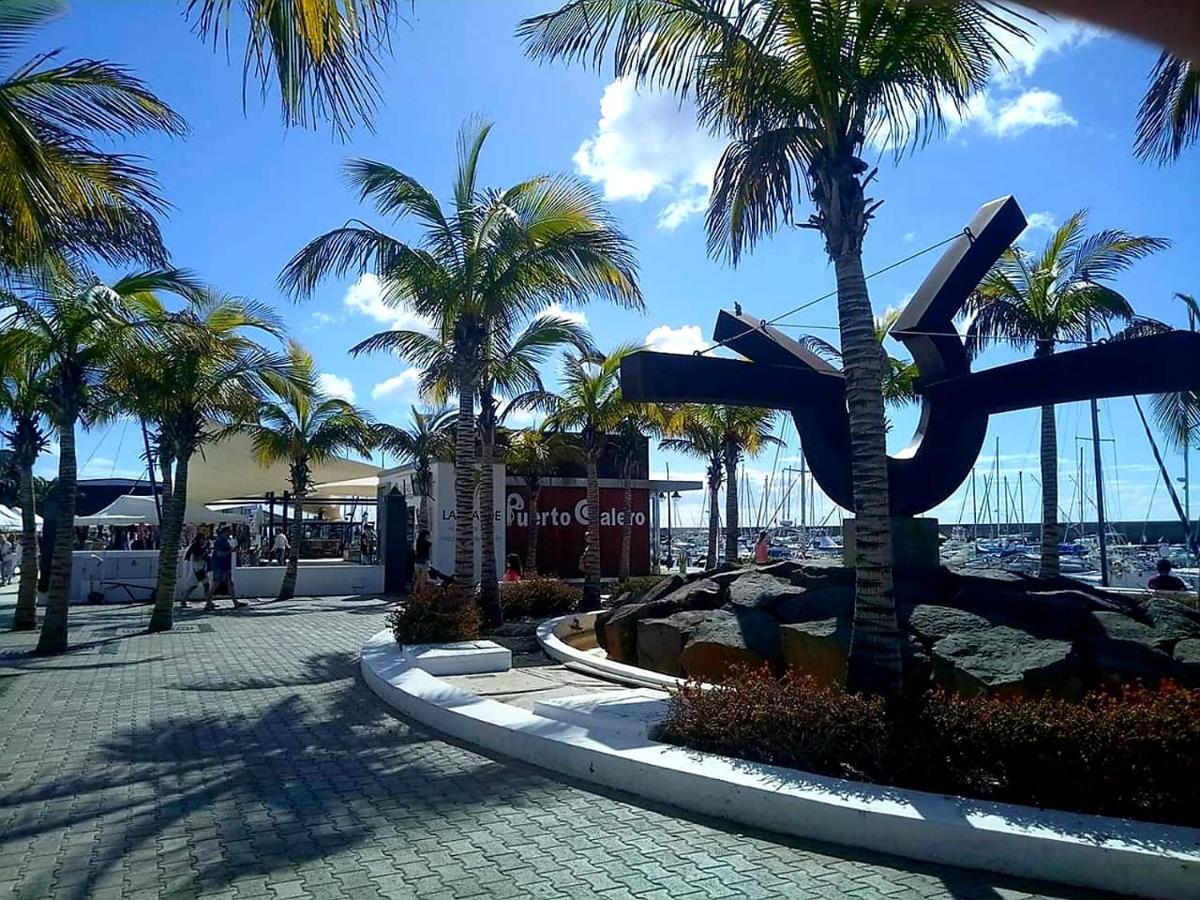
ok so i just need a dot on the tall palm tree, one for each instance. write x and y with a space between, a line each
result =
24 386
424 440
533 454
1047 298
196 373
697 433
60 193
589 402
323 55
1169 118
800 87
745 431
499 257
302 428
76 327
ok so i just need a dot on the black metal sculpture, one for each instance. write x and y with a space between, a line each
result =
955 402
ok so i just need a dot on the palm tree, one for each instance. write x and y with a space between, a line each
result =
322 55
303 428
198 371
533 454
589 402
1048 298
76 329
24 386
1169 118
697 433
60 194
425 439
745 431
800 88
499 258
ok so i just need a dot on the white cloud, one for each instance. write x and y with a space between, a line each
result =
322 318
366 296
399 386
909 237
1032 109
647 143
1048 36
524 418
1039 221
578 316
685 339
336 386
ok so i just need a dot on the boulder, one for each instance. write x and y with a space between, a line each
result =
1118 649
814 604
1007 662
819 648
785 568
758 590
664 587
1060 615
1187 661
931 623
822 573
1172 621
726 638
661 641
619 628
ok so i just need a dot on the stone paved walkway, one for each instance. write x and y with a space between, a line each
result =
242 756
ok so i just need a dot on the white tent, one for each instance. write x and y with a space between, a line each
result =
10 518
133 509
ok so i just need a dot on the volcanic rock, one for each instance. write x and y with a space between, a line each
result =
1007 662
726 638
820 603
819 648
661 641
758 590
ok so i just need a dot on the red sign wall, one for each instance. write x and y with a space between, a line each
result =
562 533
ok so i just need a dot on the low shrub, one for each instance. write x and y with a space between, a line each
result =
640 584
437 615
1130 753
538 598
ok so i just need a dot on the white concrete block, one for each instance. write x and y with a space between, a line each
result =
635 711
461 658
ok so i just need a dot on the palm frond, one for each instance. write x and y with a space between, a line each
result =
1168 119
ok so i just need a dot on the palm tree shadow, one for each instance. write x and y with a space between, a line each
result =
289 786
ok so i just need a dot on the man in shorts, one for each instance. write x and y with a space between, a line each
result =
222 566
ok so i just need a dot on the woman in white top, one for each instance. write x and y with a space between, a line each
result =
280 548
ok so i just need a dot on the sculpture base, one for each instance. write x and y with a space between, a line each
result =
916 544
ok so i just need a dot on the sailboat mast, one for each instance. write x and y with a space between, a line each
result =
1100 525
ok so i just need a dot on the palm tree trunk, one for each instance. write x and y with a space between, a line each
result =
714 521
53 638
1051 534
489 587
591 552
535 496
25 615
464 490
170 531
731 505
874 661
287 587
627 522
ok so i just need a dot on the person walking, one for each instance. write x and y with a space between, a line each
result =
197 554
222 566
421 559
8 559
280 548
762 549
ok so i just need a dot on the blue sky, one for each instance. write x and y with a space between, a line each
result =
1056 132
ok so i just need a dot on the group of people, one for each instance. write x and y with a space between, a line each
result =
211 567
10 557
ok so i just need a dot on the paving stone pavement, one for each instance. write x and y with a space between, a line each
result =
242 756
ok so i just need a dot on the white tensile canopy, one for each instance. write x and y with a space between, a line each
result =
10 518
133 509
227 471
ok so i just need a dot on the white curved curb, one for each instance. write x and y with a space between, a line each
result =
1088 851
600 666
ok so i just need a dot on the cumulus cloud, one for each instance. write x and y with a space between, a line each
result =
1048 36
366 296
399 386
578 316
336 386
647 144
1039 221
1032 109
684 339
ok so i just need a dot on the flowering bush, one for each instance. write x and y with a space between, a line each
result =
437 615
1130 753
538 598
